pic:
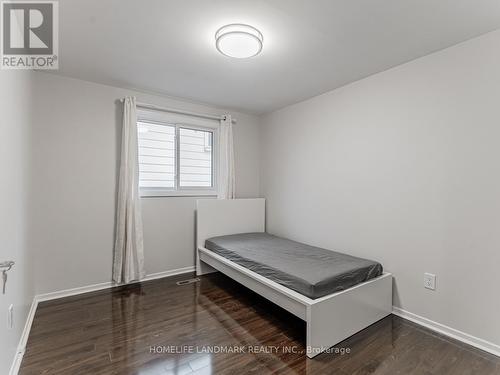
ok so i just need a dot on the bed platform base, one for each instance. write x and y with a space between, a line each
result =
330 319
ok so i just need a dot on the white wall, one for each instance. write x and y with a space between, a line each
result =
15 98
75 152
402 167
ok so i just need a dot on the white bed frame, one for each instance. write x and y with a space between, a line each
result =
330 319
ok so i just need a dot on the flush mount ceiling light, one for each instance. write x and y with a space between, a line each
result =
239 40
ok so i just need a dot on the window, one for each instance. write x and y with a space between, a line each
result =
195 158
176 158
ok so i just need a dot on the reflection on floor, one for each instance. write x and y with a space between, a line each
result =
219 327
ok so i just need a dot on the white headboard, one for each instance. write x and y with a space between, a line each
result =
219 217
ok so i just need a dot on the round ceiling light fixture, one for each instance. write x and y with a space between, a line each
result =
239 40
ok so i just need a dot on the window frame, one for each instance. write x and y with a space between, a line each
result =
177 190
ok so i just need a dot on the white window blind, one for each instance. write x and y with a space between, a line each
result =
175 158
195 158
157 153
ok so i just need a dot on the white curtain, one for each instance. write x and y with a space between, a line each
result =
128 263
226 181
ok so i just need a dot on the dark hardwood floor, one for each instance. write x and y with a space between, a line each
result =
158 327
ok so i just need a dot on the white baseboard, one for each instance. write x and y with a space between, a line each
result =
160 275
16 364
73 291
106 285
448 331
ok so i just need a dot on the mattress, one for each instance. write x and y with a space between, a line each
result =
311 271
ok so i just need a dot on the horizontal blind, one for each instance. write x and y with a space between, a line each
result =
156 155
195 158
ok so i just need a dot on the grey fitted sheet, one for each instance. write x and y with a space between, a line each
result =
311 271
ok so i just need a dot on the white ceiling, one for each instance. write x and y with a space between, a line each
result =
310 46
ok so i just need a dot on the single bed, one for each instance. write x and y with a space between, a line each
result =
336 294
309 270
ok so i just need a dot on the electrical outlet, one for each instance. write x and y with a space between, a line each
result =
11 317
430 281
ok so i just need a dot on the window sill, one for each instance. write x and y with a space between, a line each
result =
177 193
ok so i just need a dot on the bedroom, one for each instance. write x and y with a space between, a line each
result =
366 129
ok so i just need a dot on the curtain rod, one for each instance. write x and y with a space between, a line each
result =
179 112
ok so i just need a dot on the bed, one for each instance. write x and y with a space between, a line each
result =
309 270
335 293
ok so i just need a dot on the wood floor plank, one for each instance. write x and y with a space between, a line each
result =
158 328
